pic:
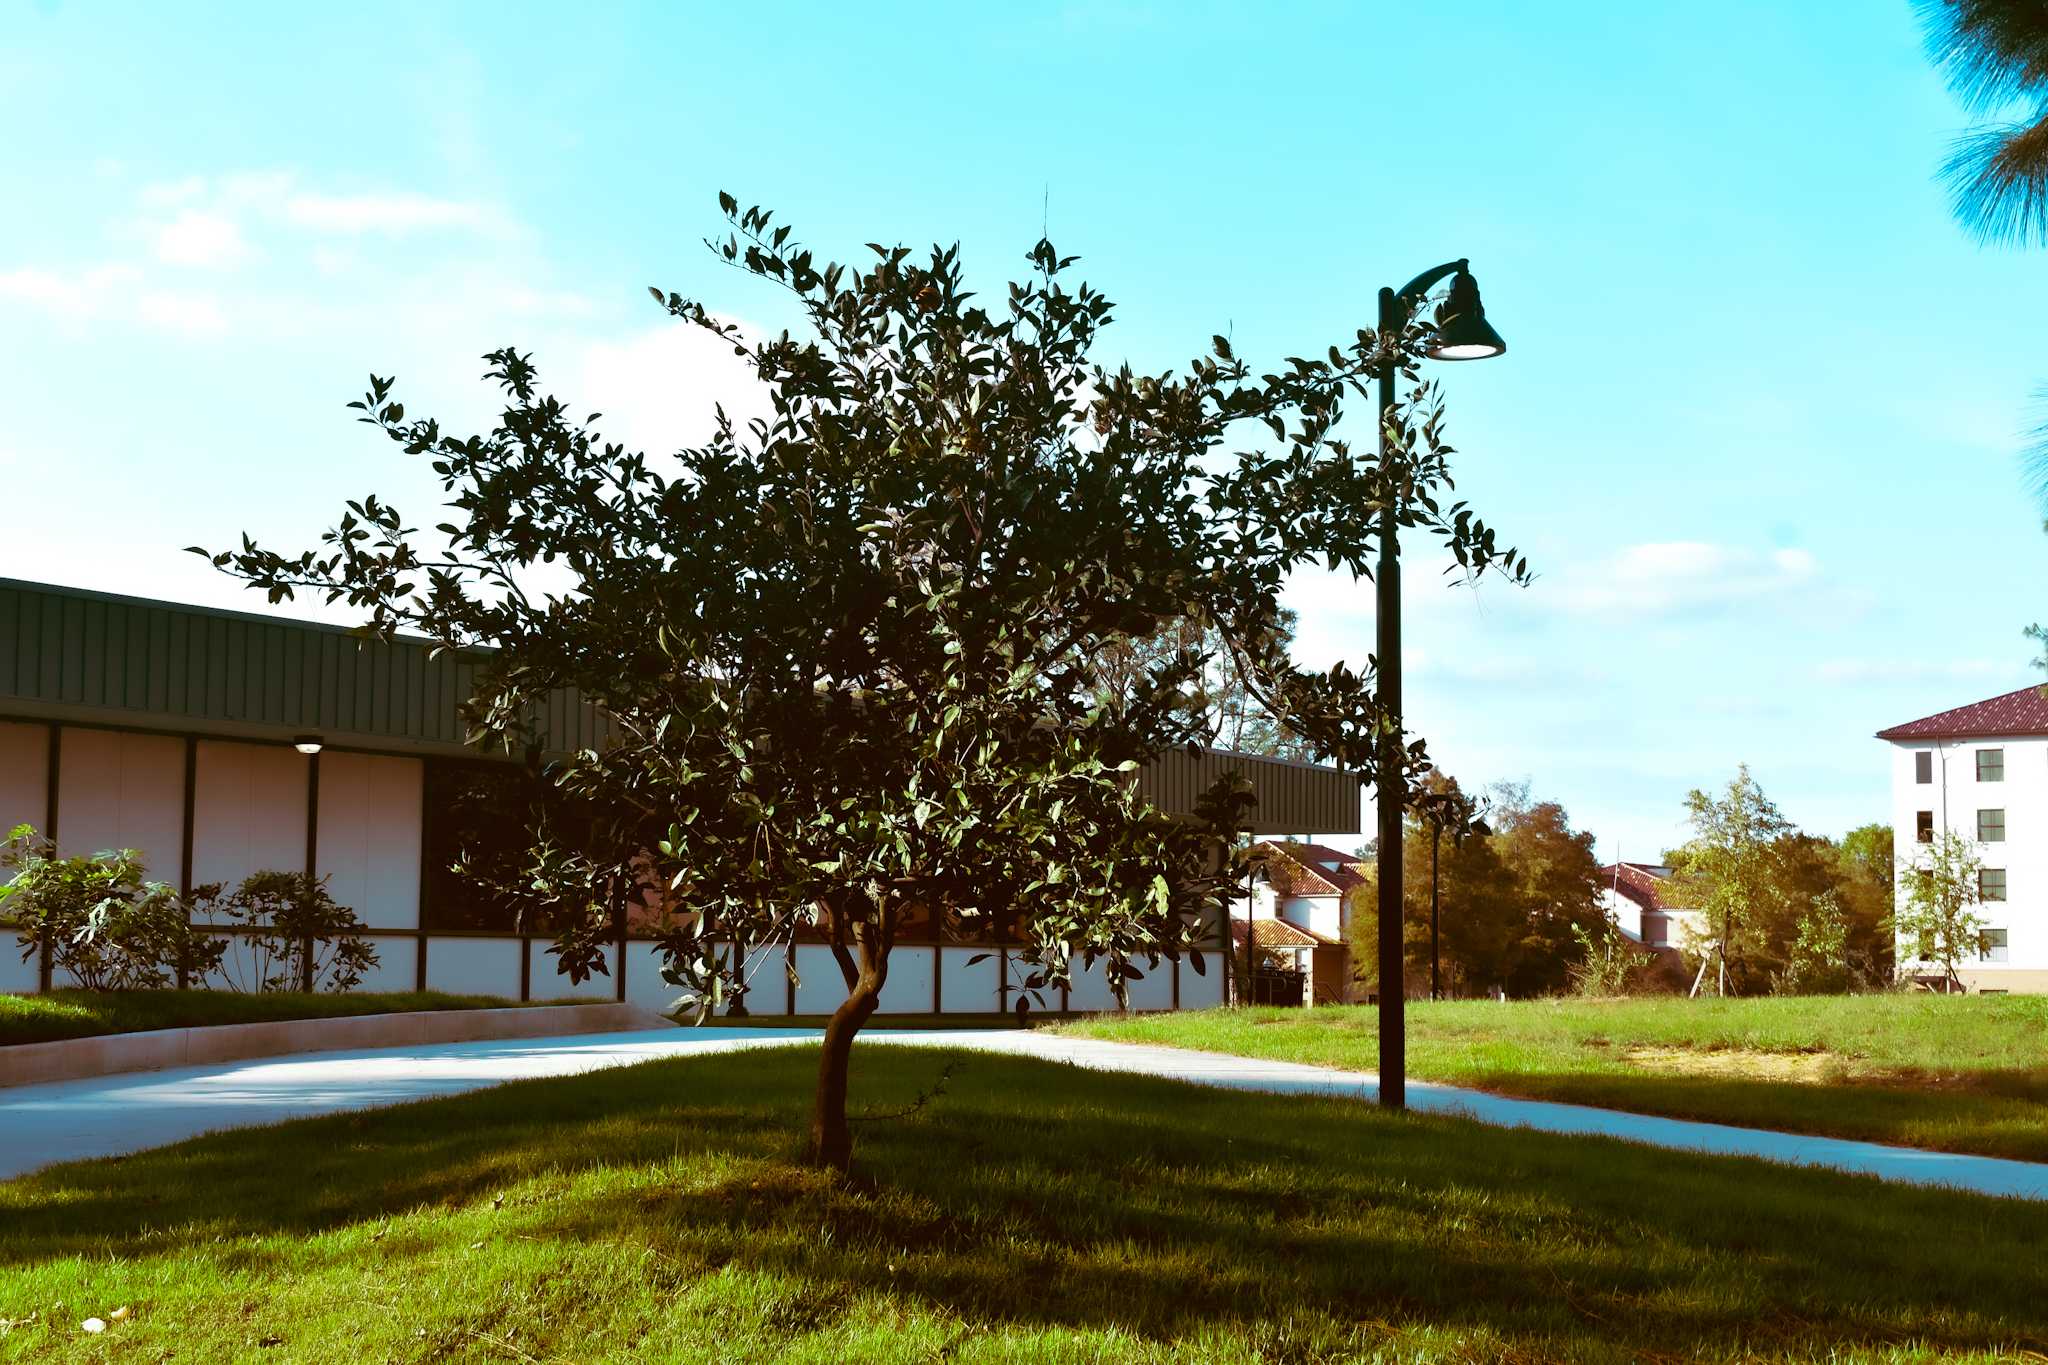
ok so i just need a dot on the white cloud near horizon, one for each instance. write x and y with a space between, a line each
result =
395 213
1665 578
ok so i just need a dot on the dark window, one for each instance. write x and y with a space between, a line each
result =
1991 765
1991 945
1923 766
1923 827
1990 883
1991 826
481 814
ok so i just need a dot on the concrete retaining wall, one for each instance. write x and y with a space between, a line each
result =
75 1058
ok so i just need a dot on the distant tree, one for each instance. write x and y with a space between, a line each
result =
1864 885
847 651
1817 961
1732 869
1217 698
1939 915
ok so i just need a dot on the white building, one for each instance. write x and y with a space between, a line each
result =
1301 912
1981 772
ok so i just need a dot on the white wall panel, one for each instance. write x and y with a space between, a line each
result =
644 986
1203 990
24 776
767 980
17 977
397 965
968 989
1155 991
550 982
478 966
820 988
121 790
1091 988
370 836
248 810
909 987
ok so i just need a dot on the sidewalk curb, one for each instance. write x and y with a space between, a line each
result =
71 1059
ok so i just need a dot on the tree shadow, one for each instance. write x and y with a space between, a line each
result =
1039 1194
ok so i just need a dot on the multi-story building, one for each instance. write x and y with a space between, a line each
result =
1981 772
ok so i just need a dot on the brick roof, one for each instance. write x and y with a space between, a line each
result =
2024 712
1638 883
1311 869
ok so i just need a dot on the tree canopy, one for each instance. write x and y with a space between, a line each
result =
849 653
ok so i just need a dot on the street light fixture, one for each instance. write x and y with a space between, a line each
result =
307 744
1462 333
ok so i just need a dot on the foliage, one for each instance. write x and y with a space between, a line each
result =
107 926
1818 963
1732 868
1609 964
1509 898
847 653
1223 706
1994 54
293 936
1938 916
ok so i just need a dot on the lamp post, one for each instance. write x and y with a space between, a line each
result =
1462 334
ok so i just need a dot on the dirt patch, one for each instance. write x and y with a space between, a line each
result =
1799 1068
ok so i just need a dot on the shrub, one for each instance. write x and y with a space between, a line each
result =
1818 961
106 924
1609 964
294 935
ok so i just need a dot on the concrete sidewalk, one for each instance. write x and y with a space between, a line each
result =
106 1116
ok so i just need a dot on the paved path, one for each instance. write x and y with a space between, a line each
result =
110 1115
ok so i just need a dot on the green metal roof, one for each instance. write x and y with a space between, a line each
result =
96 658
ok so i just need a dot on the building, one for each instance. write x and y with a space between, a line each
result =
1638 899
1300 912
1981 772
220 743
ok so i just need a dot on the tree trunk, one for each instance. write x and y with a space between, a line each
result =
831 1136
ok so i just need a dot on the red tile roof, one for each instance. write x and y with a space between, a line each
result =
1311 869
1278 933
2024 712
1638 882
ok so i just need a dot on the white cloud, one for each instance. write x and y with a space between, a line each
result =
69 296
188 313
206 240
388 213
657 389
1914 670
1674 577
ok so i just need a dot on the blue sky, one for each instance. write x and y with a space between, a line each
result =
1755 428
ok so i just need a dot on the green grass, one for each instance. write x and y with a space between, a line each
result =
87 1014
1031 1213
1951 1073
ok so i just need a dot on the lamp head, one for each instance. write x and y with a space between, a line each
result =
307 744
1462 331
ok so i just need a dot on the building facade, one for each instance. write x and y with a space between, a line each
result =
219 743
1981 772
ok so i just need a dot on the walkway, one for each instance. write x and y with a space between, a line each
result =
110 1115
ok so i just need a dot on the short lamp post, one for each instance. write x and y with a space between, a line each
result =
1462 334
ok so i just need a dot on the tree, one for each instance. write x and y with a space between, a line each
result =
848 652
1939 916
1994 54
1557 879
1731 868
1864 886
1218 699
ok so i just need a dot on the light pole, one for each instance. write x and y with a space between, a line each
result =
1462 334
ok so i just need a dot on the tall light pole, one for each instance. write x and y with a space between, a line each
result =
1462 334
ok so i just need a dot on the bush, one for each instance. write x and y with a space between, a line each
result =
1609 964
294 935
1818 961
106 925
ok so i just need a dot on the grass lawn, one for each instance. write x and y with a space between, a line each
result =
86 1014
1031 1213
1955 1073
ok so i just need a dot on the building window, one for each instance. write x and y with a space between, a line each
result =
1991 945
1990 826
1991 765
1990 883
1923 766
1923 827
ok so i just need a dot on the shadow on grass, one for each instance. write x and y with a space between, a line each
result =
1046 1196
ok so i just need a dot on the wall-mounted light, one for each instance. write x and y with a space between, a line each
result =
307 744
